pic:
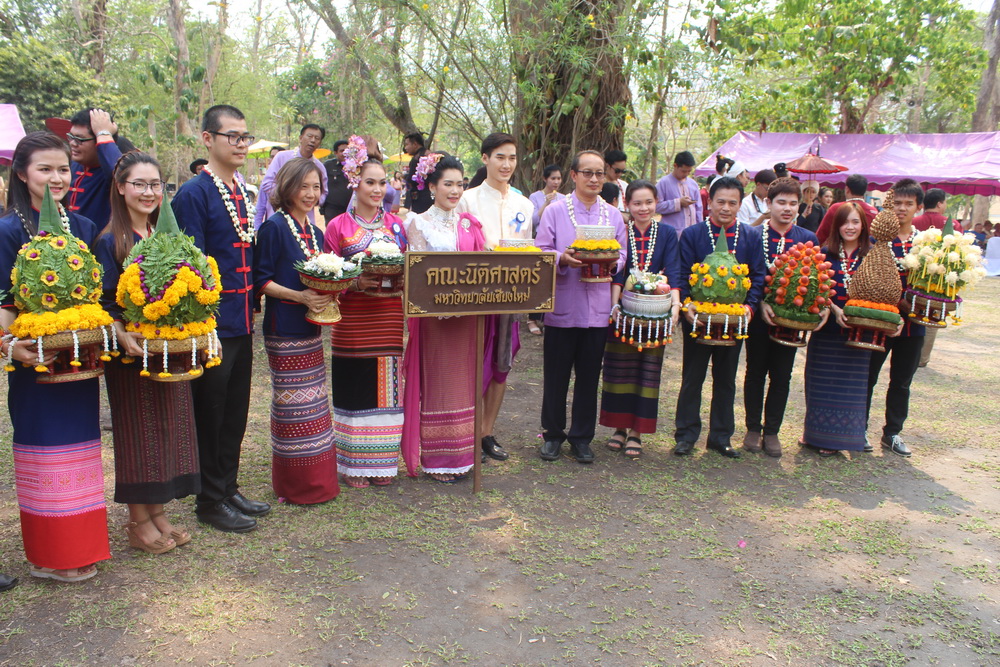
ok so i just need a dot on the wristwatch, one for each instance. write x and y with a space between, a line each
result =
104 133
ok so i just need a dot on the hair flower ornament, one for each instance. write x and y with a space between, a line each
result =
355 156
425 167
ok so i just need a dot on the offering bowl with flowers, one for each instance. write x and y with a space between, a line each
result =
940 264
598 249
644 316
327 273
169 293
719 286
383 261
57 290
797 289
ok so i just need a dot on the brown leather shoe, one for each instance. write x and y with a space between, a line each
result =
772 446
751 441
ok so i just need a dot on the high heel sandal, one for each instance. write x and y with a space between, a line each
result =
159 546
180 535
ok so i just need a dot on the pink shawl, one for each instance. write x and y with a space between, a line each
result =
469 240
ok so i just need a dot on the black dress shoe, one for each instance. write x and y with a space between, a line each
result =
246 506
581 452
726 450
223 516
896 445
7 582
551 450
493 449
683 448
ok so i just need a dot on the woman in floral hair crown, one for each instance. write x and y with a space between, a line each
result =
303 456
368 340
441 353
155 442
57 432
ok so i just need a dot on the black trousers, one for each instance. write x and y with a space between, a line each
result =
725 361
221 402
905 351
569 349
766 359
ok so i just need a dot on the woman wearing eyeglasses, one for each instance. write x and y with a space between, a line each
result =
156 448
57 431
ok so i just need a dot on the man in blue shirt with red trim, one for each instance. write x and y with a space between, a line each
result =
94 155
212 208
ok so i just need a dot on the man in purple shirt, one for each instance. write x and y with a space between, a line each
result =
576 331
678 196
310 137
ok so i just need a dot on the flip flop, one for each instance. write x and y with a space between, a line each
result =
49 573
616 445
534 328
633 451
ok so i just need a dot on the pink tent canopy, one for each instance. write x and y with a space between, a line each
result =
967 164
11 131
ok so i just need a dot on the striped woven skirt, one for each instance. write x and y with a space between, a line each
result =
836 383
447 394
630 394
368 415
156 445
303 458
58 471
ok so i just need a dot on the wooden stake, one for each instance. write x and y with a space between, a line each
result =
477 457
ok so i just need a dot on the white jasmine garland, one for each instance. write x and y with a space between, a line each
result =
246 234
328 265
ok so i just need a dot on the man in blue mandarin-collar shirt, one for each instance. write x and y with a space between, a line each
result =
697 242
213 209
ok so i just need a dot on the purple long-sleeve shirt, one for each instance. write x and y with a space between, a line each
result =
668 202
264 208
578 304
538 199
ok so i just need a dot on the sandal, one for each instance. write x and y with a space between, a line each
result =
357 482
614 443
454 479
633 451
534 328
160 545
82 573
382 481
179 535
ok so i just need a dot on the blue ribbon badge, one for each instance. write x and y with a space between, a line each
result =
518 220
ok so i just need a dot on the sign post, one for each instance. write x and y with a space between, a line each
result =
450 284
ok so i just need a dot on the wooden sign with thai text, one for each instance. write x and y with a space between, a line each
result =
479 283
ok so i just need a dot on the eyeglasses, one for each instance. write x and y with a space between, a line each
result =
590 175
142 186
236 139
73 139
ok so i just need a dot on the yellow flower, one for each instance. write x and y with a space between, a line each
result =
95 273
50 278
49 299
33 255
731 283
722 271
75 262
692 280
58 242
707 281
13 276
746 283
79 292
445 69
703 268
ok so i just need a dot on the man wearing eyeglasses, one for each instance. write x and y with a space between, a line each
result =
576 331
310 137
212 208
94 155
615 165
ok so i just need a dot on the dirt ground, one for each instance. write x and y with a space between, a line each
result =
861 560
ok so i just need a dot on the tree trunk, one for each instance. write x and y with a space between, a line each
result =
566 105
215 57
987 113
178 32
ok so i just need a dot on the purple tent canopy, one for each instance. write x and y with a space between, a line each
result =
11 132
967 164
